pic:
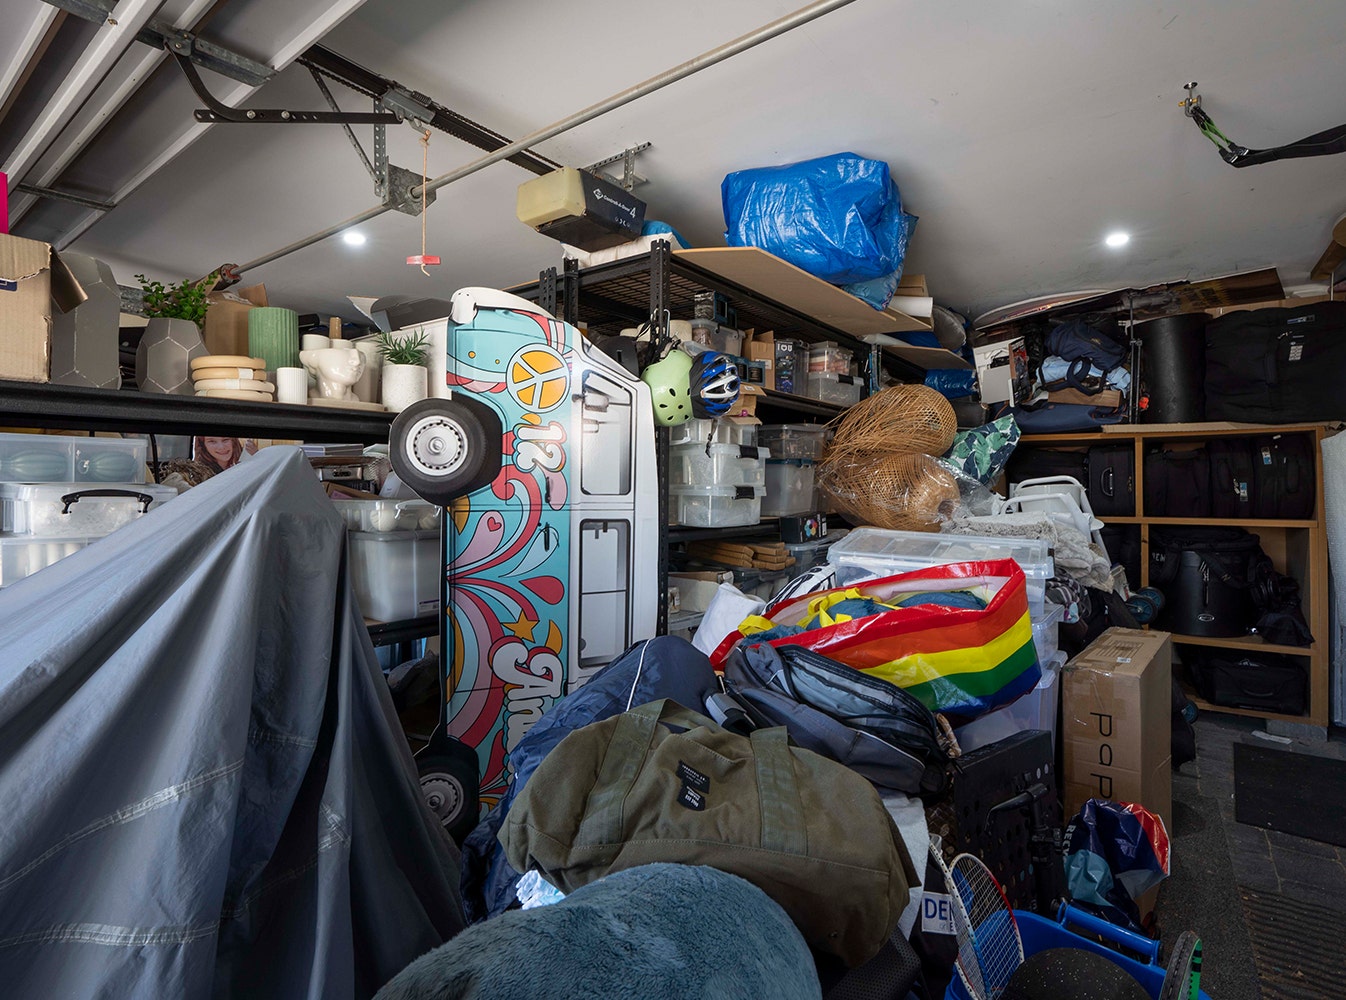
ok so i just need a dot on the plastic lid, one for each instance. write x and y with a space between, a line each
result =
414 534
730 492
789 461
24 491
876 545
773 430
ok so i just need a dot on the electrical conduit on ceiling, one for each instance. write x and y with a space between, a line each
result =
707 59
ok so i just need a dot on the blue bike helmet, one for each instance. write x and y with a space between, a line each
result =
714 384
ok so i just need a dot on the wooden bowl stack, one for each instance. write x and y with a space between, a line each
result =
231 376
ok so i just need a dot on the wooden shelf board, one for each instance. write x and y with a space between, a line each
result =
1252 524
1247 642
926 357
1121 520
1213 427
772 278
1252 713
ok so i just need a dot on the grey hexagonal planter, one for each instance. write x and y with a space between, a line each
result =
84 340
163 359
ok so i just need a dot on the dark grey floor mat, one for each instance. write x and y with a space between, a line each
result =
1298 947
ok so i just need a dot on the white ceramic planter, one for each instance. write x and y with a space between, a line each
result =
402 386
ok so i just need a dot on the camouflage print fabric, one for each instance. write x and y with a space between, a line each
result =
983 451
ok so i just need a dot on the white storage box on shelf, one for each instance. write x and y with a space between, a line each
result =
395 573
868 553
716 465
23 555
740 431
65 510
717 506
387 515
794 440
828 387
50 458
789 487
1036 709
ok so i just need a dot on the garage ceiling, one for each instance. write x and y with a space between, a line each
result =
1020 133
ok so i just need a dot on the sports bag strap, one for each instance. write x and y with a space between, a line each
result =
631 739
778 793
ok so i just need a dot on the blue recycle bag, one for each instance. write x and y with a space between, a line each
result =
838 217
1115 853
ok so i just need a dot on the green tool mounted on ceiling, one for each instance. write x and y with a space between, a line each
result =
1332 140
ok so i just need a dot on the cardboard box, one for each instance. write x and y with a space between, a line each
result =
4 204
1108 398
1116 719
226 330
33 279
761 347
748 395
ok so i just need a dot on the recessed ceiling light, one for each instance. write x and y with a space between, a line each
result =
1115 240
357 239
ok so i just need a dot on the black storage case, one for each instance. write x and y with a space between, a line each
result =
1264 681
1112 480
1173 360
1277 366
1231 477
1284 483
1039 463
1204 575
1177 483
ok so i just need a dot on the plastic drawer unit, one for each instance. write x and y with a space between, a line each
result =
395 573
66 510
717 506
387 515
49 458
828 387
869 553
716 465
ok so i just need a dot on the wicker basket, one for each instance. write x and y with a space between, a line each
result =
901 492
901 418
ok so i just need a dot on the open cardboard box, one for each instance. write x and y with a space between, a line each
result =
226 327
33 281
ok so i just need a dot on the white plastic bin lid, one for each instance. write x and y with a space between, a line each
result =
910 549
730 492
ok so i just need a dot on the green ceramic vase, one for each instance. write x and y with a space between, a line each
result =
273 334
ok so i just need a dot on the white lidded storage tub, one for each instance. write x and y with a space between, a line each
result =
1037 709
794 440
387 515
869 553
50 458
716 465
395 573
23 555
789 487
64 510
726 430
828 387
717 506
1046 628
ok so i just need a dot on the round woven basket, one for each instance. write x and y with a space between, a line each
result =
899 492
901 418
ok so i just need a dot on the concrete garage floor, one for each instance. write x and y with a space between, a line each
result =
1270 907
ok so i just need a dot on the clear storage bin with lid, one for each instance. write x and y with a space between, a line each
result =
387 515
717 506
62 510
726 430
395 573
789 487
51 458
23 555
828 387
711 334
716 465
794 440
808 555
868 553
828 357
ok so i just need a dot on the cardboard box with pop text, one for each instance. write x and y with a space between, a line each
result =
1116 719
33 281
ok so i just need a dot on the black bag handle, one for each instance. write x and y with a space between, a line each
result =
70 499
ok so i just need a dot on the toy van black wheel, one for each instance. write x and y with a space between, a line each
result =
445 448
449 786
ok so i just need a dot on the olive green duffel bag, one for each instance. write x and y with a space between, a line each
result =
661 783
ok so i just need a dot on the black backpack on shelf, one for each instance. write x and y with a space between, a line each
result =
1231 478
1282 470
1177 483
1112 480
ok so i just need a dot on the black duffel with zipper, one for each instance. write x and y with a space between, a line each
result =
1284 485
1275 366
1231 477
1267 682
1177 483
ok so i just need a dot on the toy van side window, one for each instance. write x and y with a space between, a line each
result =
605 607
609 416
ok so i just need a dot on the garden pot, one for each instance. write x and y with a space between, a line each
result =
163 359
402 386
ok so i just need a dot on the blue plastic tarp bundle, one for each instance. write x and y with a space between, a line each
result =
837 217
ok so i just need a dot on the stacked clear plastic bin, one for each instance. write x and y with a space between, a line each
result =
716 474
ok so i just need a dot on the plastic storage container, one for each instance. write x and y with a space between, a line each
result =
395 573
388 515
64 510
717 506
789 487
23 555
828 357
716 465
1036 709
711 334
50 458
794 440
808 554
730 430
827 387
868 553
1045 632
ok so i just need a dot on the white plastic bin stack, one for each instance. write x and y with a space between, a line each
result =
717 484
829 375
394 556
794 449
59 494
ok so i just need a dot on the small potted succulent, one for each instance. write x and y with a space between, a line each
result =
404 373
172 338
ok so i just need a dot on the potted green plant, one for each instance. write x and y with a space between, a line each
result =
404 374
172 337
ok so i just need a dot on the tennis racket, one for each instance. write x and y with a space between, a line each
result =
1182 980
989 945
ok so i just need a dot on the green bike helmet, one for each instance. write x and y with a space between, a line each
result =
669 388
